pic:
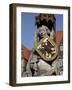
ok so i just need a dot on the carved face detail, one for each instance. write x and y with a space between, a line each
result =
42 32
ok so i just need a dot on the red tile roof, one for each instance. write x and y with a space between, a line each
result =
59 36
25 52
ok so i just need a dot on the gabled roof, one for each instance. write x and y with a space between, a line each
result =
59 36
25 52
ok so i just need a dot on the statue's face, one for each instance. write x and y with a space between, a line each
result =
42 31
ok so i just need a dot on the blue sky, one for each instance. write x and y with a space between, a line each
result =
28 27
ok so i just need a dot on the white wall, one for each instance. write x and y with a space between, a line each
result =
4 44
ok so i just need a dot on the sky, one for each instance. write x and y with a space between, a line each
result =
28 28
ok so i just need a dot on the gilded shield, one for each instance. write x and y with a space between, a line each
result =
47 49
